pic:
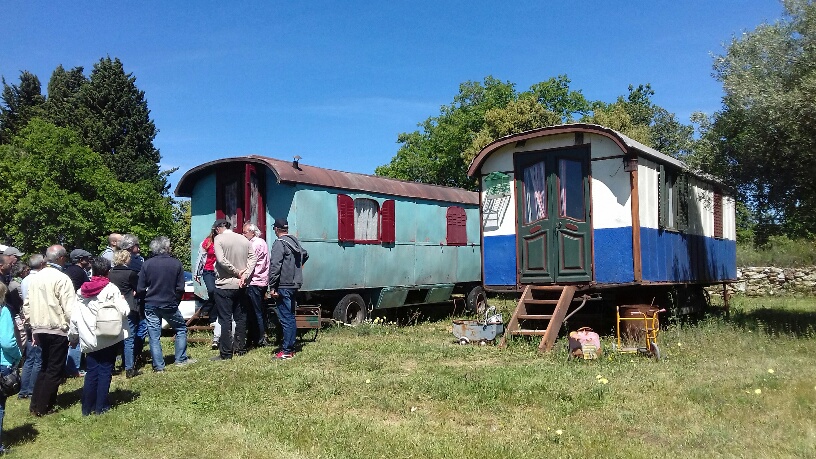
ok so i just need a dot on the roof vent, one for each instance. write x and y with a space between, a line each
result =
295 161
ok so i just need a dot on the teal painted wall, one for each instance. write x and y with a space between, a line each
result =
202 209
418 257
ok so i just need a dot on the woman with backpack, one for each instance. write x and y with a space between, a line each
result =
99 324
10 354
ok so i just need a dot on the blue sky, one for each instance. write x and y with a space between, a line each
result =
336 82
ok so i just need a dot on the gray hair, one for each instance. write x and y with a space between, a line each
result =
36 261
160 245
53 253
254 228
128 241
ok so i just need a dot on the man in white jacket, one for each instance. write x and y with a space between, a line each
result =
47 309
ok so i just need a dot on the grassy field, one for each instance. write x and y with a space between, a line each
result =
743 386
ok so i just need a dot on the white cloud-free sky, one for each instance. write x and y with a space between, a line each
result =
336 82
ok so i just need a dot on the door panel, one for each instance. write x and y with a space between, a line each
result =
535 228
553 226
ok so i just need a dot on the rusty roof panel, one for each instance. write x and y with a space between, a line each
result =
285 172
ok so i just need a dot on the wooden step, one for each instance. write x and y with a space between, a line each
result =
540 301
547 288
528 332
535 316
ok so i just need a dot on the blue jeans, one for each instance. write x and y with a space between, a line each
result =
208 277
153 316
73 361
256 314
98 379
134 343
4 370
31 367
285 310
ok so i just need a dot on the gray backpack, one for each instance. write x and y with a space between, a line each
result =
108 320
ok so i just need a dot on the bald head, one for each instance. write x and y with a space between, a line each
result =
56 254
113 240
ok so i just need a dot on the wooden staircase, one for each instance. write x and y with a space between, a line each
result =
540 312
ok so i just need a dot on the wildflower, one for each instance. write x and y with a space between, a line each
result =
757 391
413 408
679 344
598 376
368 381
603 381
770 370
559 432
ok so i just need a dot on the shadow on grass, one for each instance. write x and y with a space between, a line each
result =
19 435
117 397
777 322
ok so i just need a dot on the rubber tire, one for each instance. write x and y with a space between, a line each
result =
655 351
351 309
476 300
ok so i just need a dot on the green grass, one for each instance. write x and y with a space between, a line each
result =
398 392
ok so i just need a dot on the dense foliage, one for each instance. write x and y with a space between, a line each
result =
56 190
106 109
481 113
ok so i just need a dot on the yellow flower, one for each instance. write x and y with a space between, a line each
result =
368 381
603 381
679 344
598 376
757 391
770 370
559 432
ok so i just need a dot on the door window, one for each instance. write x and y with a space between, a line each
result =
535 192
571 189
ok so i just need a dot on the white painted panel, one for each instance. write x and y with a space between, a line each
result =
729 218
611 203
648 185
499 213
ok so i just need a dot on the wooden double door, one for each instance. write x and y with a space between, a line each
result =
554 227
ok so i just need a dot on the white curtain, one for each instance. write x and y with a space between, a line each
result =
366 218
535 192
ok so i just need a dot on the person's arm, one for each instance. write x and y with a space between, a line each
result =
141 285
275 264
202 260
222 260
8 340
67 297
252 260
179 282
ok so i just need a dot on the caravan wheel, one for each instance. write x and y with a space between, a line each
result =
350 310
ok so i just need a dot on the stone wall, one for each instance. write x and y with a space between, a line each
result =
759 281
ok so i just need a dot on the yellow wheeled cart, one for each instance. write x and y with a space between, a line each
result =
639 324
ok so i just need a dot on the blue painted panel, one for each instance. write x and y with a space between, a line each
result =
500 260
677 257
202 209
613 255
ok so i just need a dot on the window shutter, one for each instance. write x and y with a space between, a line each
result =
387 222
345 218
718 214
661 198
457 226
683 196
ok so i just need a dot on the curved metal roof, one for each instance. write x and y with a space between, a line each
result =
626 144
285 172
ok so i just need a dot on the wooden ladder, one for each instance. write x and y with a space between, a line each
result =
540 312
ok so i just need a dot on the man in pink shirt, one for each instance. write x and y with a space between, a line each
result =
257 286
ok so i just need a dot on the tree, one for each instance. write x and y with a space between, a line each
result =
62 105
113 119
434 154
765 134
56 190
180 236
20 104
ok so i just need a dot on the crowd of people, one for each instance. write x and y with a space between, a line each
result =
51 308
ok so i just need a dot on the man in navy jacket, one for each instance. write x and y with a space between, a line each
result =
161 283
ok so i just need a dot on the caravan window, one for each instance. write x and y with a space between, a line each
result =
362 220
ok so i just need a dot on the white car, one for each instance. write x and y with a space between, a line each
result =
189 302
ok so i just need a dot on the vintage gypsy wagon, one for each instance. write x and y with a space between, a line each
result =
373 242
582 212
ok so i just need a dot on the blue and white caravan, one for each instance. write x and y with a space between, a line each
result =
587 207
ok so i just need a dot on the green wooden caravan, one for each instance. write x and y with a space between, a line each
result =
373 242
